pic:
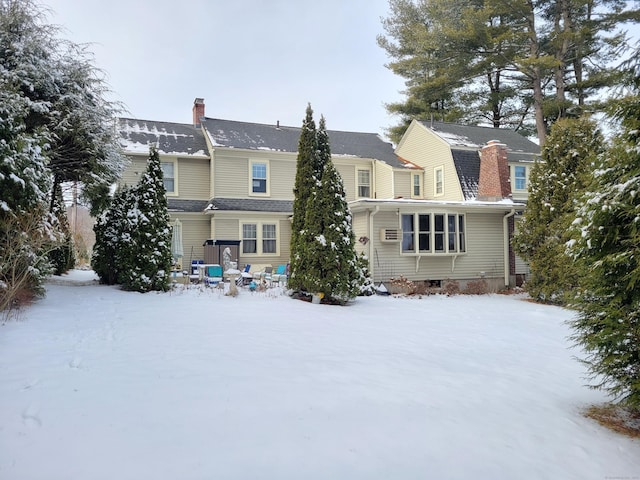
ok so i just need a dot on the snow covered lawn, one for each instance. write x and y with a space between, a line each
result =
97 383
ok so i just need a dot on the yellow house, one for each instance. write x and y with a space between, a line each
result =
417 210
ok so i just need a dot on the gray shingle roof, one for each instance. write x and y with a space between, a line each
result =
467 164
176 205
252 205
256 136
170 138
467 136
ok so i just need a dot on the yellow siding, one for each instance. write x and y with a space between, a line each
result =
383 180
282 177
424 148
193 179
402 183
231 176
131 175
195 230
484 235
349 177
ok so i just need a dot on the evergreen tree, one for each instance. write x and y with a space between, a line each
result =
111 240
520 64
554 186
307 174
62 257
607 243
145 262
332 260
364 282
63 99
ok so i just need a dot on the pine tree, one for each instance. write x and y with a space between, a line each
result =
145 262
307 173
607 243
554 186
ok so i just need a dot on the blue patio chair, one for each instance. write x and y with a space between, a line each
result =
212 274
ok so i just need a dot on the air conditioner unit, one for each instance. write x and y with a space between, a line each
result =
390 235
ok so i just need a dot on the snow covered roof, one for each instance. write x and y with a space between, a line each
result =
170 138
467 163
176 205
257 136
469 136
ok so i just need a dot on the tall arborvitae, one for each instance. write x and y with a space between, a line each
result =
306 175
555 184
111 240
148 265
607 242
333 264
62 257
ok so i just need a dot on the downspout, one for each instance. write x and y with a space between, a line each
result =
371 262
505 226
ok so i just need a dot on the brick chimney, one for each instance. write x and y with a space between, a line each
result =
198 111
494 183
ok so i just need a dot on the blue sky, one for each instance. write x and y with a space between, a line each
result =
251 60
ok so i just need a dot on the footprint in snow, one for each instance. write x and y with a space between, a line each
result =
31 417
76 362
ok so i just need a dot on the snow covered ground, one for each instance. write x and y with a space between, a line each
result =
97 383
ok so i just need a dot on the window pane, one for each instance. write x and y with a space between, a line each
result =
521 178
439 184
407 234
364 183
259 186
451 225
249 236
424 234
168 184
167 169
416 185
259 178
269 238
462 245
438 237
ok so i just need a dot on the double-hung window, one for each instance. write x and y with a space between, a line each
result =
259 238
169 176
438 181
433 233
249 238
268 238
416 187
520 177
259 177
364 183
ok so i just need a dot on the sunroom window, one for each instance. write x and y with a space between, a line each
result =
436 233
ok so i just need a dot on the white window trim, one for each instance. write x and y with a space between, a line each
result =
420 177
259 224
268 186
358 170
435 181
175 192
432 251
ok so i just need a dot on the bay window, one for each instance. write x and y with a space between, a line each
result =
433 233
